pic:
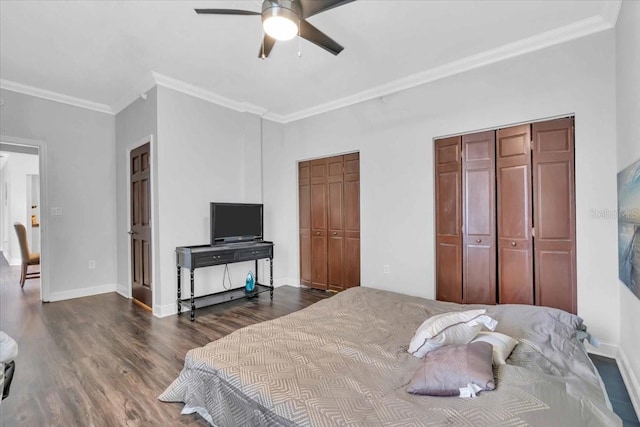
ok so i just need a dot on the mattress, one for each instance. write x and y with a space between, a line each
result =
343 361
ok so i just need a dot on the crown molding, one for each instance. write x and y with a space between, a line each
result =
54 96
198 92
606 20
530 44
610 11
144 86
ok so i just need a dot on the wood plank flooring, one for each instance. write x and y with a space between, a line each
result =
103 361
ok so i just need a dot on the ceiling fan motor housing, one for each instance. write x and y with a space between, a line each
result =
282 8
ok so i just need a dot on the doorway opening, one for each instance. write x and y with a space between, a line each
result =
21 210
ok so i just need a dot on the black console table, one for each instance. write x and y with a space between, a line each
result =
193 257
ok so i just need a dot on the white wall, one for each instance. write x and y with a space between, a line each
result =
15 171
81 180
396 157
135 125
206 153
628 136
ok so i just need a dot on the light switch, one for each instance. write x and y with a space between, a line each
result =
56 211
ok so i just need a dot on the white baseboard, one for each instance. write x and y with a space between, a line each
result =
14 261
286 281
605 349
168 309
84 292
123 290
630 380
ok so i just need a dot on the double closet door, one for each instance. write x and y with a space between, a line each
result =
329 198
505 216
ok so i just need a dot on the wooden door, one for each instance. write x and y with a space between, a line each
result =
304 195
351 264
318 192
515 242
335 210
140 178
554 214
479 218
448 188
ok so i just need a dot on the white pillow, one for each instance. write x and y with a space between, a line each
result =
458 327
502 344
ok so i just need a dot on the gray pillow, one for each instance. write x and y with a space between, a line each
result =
448 369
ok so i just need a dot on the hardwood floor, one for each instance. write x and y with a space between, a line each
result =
103 361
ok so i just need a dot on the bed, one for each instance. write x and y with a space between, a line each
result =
343 361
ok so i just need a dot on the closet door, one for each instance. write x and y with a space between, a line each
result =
319 196
515 242
448 188
335 239
352 220
479 218
304 200
554 214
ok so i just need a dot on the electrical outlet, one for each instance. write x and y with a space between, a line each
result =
92 264
386 269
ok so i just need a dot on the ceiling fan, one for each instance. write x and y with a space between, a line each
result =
284 19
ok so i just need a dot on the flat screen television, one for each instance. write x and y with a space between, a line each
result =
235 222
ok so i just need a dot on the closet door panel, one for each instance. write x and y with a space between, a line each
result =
448 188
319 213
515 241
554 208
304 200
335 185
479 206
352 220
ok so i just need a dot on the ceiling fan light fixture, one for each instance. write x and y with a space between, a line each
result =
280 20
280 28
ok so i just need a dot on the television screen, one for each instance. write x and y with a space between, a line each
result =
235 222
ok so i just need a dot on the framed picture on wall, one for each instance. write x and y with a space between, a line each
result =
629 227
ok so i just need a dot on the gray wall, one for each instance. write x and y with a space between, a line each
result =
135 125
628 125
81 177
395 140
206 153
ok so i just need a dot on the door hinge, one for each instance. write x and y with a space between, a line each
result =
533 231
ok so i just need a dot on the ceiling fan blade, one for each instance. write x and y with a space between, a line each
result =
317 37
313 7
267 45
225 12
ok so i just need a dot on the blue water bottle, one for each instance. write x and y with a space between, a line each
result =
250 283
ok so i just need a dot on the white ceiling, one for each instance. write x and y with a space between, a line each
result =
103 53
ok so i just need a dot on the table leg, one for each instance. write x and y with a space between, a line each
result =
271 276
193 299
179 293
257 281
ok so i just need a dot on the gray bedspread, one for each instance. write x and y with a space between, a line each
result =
343 362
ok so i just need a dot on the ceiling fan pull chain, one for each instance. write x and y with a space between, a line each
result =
299 43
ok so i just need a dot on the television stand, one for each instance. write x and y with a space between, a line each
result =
193 257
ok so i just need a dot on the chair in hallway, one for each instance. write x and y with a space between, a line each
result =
28 258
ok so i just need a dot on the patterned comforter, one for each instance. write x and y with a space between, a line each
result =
343 362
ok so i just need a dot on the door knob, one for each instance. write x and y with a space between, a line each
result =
478 240
335 233
513 243
131 232
317 233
